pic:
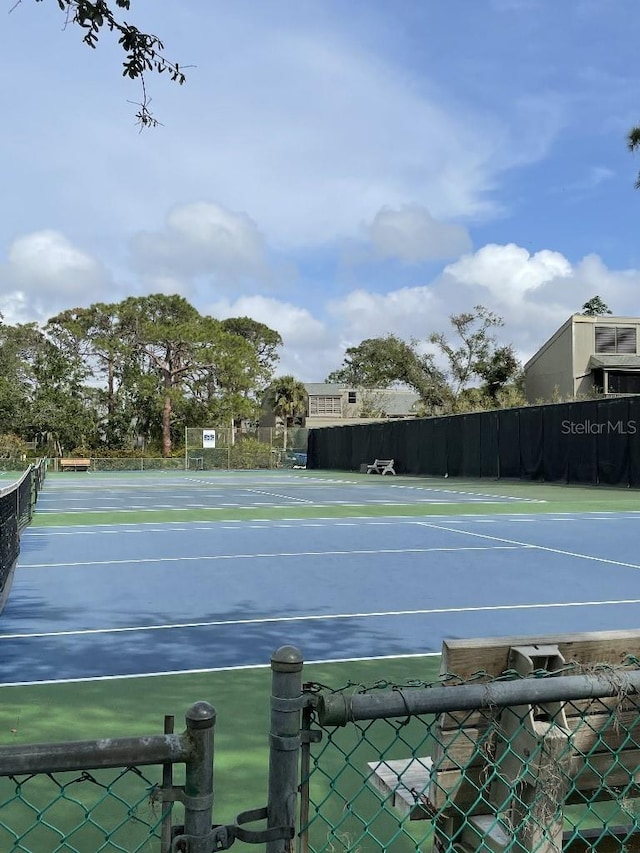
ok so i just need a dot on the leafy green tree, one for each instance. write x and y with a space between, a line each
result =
181 356
18 346
387 361
62 406
287 398
633 144
473 348
595 307
228 389
499 368
144 51
11 446
94 334
264 340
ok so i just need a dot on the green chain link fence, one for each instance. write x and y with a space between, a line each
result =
82 811
151 794
543 761
539 756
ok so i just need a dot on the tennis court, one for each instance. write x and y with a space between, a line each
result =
136 595
155 573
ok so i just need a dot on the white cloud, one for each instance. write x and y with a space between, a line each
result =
309 347
412 235
533 293
202 239
508 272
45 273
408 312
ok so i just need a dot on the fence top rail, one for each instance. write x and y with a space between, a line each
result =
338 709
27 759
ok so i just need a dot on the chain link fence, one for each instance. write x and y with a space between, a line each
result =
534 760
540 755
82 811
151 794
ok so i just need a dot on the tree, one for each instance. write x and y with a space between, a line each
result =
497 370
474 347
95 336
287 398
595 307
18 346
264 340
143 51
633 143
387 361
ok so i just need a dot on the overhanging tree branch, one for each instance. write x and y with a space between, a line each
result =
144 51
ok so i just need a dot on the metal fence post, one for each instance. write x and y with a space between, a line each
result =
198 788
284 742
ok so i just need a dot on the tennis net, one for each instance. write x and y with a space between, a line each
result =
17 503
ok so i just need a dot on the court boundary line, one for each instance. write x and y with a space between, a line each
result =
275 555
559 551
36 529
319 617
215 669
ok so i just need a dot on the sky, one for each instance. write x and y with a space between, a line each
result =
336 169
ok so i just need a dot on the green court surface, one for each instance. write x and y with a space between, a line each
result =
530 497
136 707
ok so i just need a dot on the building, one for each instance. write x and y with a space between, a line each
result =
587 356
328 405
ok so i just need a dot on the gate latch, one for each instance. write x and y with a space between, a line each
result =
222 836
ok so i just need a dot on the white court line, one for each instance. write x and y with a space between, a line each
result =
208 670
323 617
172 527
275 555
280 497
560 551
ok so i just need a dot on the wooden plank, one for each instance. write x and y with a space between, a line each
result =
610 839
593 735
465 658
403 784
409 786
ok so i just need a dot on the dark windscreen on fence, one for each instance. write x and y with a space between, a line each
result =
592 441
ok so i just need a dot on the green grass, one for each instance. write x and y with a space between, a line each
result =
136 707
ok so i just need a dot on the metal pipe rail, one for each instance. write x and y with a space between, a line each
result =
33 758
338 709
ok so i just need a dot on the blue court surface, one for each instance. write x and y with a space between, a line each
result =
235 490
121 599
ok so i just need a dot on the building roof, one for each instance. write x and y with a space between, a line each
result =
615 361
314 388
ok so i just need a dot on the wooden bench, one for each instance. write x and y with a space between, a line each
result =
381 466
524 778
74 464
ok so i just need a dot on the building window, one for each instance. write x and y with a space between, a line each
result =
616 339
352 396
624 383
324 404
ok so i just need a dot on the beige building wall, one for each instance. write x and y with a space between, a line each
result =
564 362
584 346
551 367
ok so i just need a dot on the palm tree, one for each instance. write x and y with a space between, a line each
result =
633 144
287 397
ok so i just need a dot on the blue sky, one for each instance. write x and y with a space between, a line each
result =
338 170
